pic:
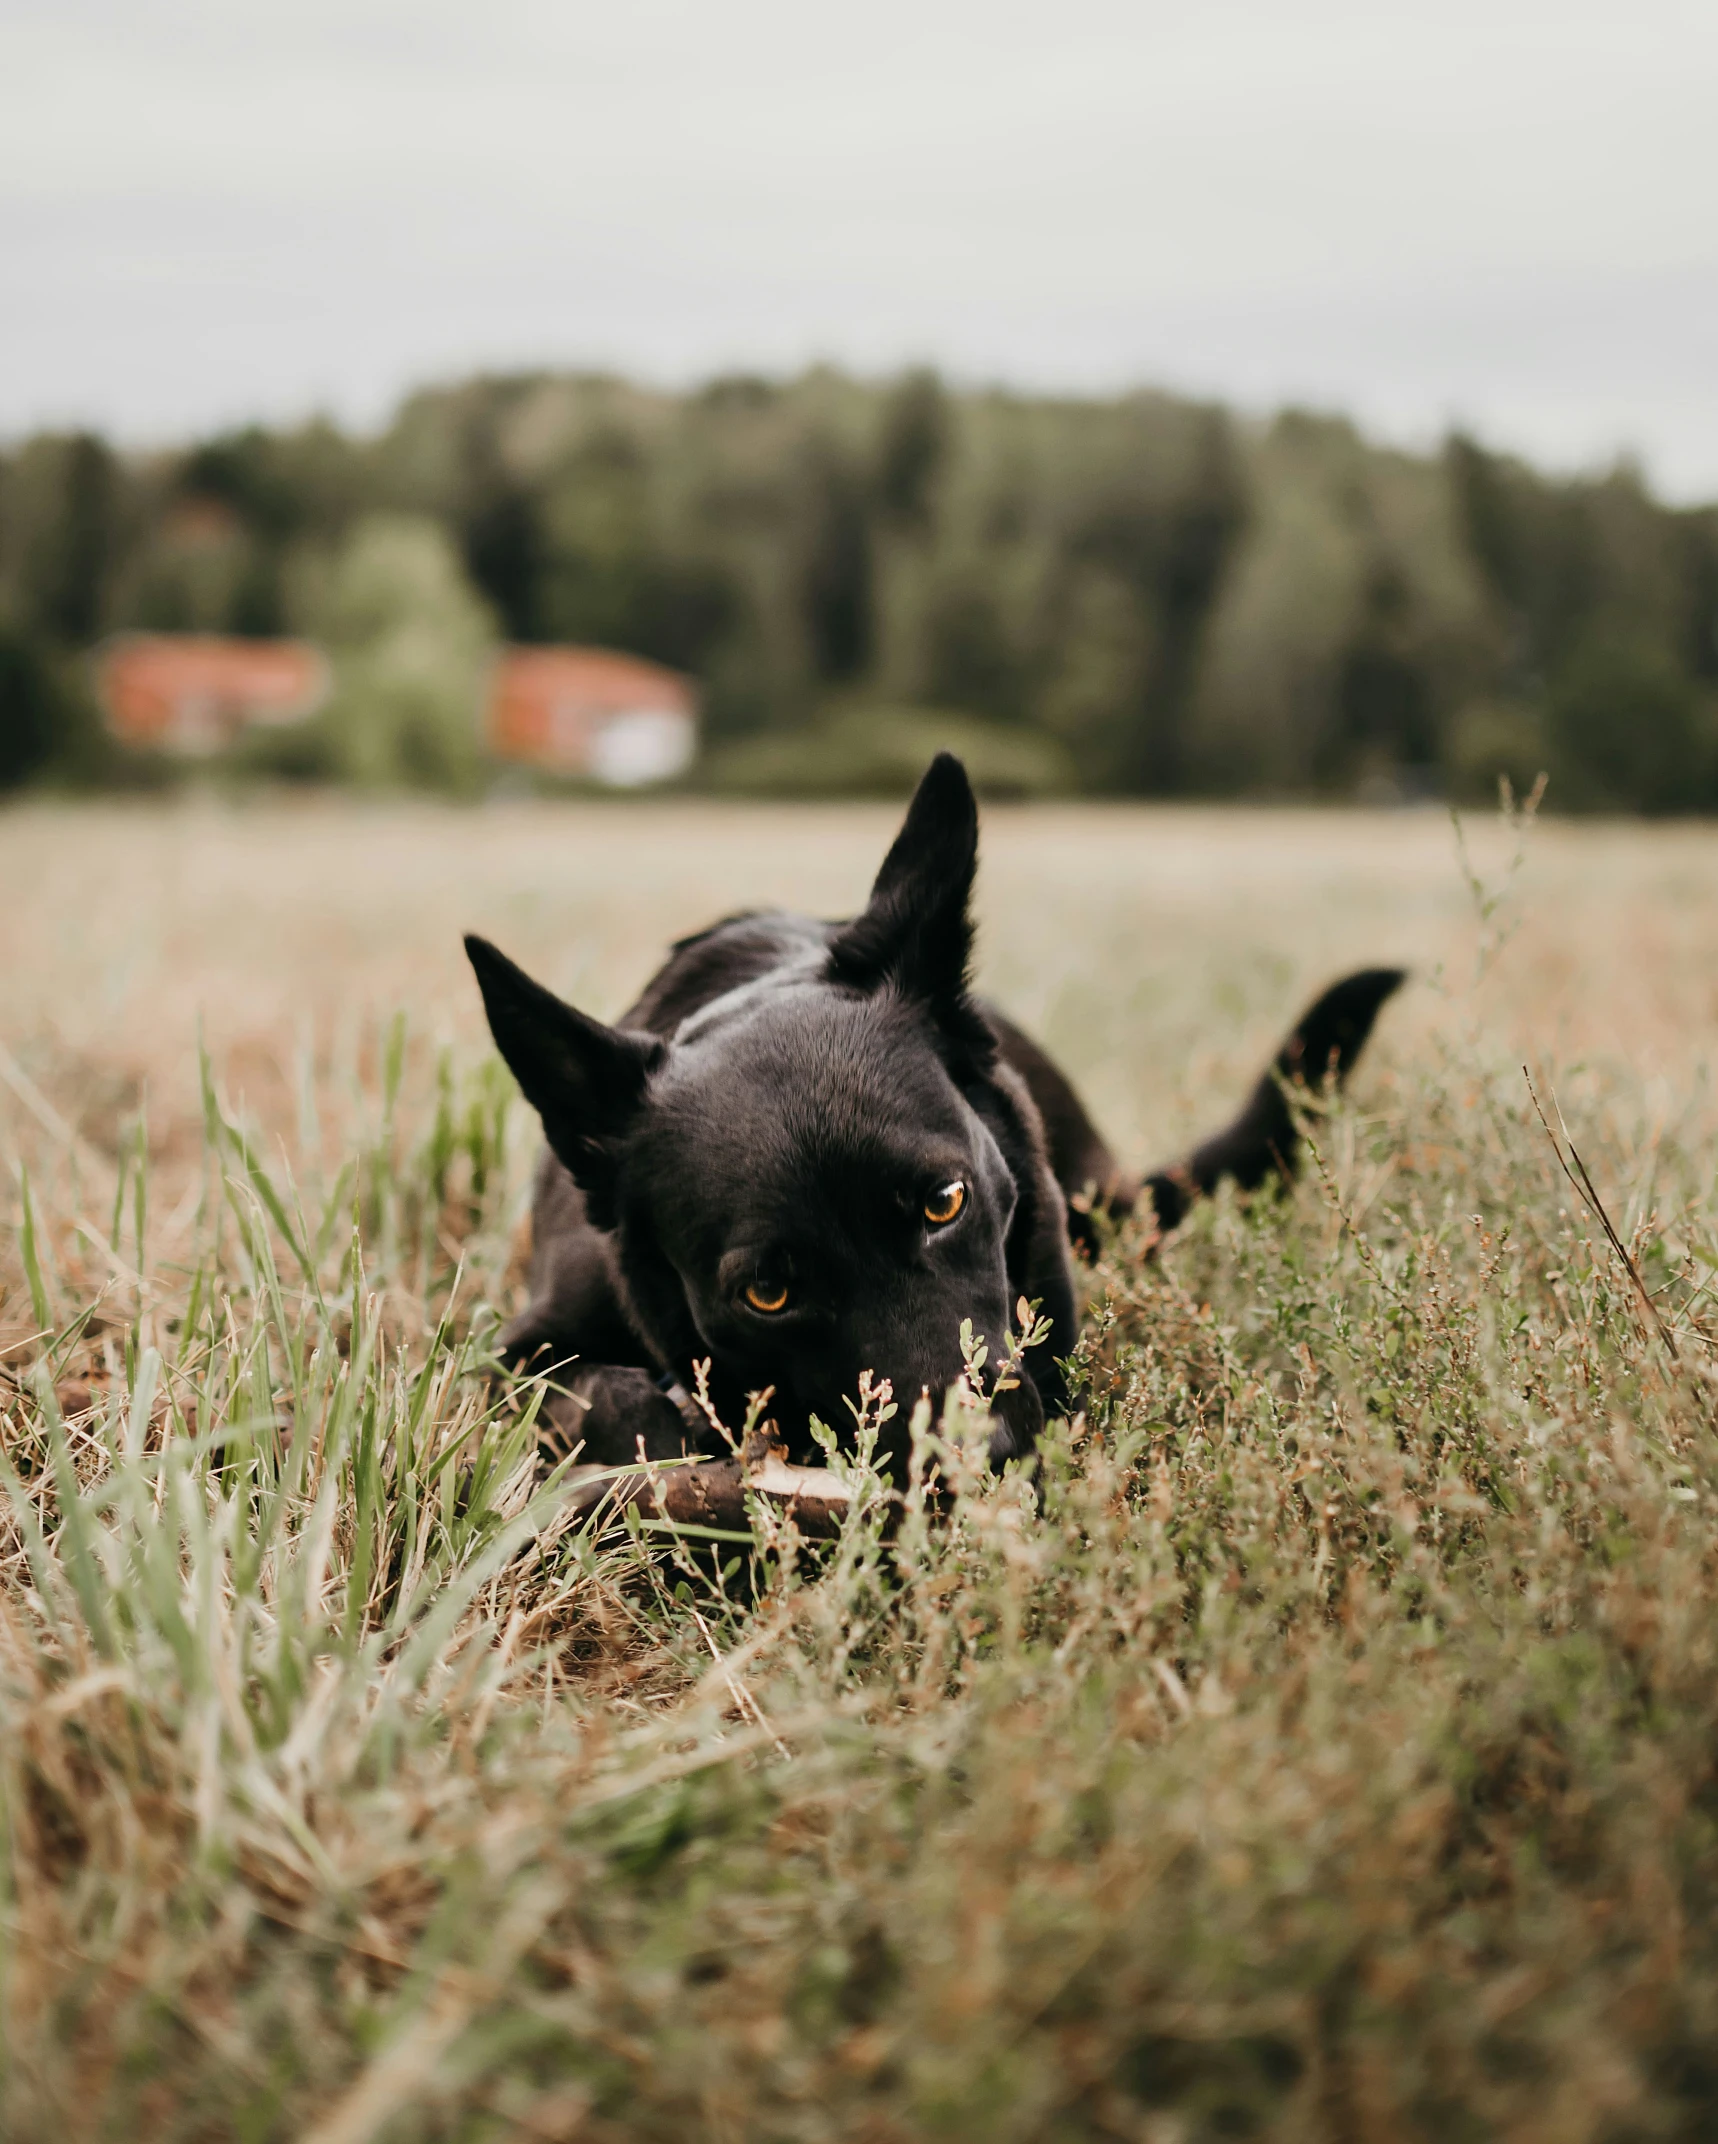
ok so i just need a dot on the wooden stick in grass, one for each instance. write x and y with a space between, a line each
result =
712 1492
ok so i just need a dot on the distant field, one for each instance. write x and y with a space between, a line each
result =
1325 1750
1157 951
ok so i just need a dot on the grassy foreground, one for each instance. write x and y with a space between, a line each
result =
1326 1748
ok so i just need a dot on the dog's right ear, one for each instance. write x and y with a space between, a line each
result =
584 1080
916 929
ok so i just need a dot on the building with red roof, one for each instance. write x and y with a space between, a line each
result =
195 692
611 718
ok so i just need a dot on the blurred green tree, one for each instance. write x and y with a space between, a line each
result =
912 449
1627 729
30 711
65 510
410 641
835 580
1179 602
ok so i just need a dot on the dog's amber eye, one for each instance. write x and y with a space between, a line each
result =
942 1206
769 1296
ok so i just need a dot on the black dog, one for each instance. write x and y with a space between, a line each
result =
808 1151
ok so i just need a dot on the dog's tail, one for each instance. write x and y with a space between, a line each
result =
1262 1142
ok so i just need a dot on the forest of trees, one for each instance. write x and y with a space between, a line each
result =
1141 596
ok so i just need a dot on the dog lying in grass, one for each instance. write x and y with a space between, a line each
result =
808 1151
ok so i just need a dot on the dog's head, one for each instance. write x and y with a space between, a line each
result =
805 1180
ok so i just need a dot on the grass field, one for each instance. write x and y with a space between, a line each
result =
1327 1748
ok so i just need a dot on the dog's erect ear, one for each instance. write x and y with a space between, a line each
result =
584 1080
915 930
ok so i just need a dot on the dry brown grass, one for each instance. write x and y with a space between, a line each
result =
1325 1751
1157 951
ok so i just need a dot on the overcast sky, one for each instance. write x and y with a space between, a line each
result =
1503 214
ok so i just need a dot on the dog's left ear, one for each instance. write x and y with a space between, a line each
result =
586 1081
916 929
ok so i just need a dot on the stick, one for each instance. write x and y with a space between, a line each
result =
712 1493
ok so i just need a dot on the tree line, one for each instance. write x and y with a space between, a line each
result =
1144 595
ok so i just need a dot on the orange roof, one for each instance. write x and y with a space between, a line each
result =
195 692
553 705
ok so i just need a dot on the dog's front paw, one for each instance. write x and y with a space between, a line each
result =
613 1417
